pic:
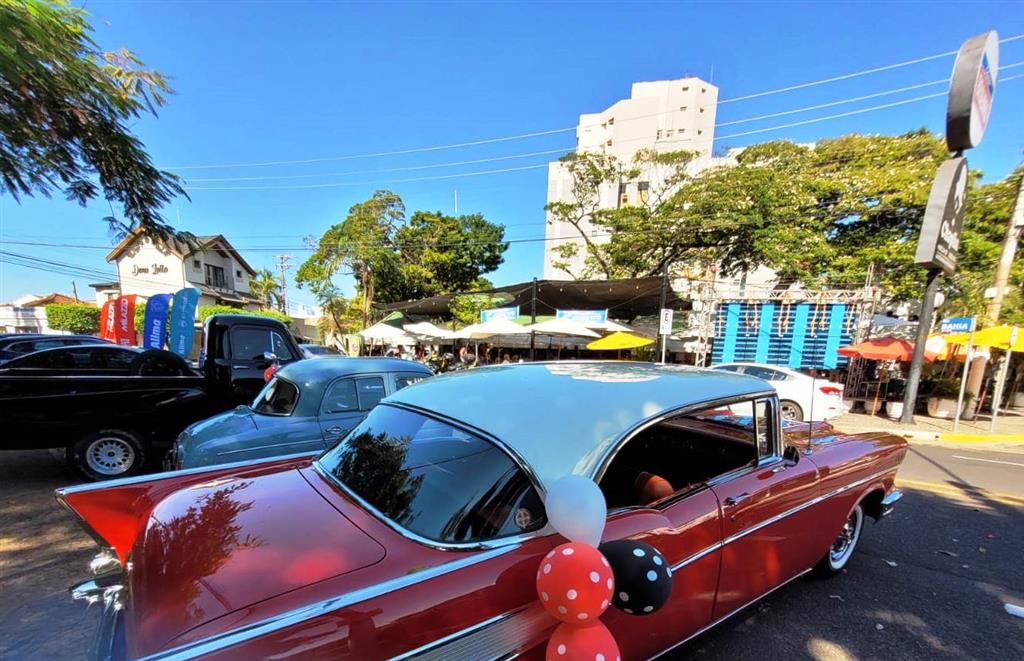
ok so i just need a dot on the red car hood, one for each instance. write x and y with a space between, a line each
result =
219 546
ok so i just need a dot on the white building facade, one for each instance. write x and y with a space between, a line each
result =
664 115
146 267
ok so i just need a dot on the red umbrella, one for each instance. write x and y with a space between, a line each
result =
883 348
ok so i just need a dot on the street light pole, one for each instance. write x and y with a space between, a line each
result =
924 325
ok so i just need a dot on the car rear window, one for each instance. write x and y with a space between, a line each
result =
278 397
435 480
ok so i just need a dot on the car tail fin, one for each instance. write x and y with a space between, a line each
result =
112 515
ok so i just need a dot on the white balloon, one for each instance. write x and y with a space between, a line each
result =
576 509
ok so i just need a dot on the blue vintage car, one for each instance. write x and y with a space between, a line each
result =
307 406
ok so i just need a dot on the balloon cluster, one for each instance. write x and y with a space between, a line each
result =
578 581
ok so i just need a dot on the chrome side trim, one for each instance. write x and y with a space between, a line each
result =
290 618
728 615
803 506
696 556
499 637
272 445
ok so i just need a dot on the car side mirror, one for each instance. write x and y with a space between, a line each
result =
791 454
266 359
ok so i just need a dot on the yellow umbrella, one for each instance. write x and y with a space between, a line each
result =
619 340
997 337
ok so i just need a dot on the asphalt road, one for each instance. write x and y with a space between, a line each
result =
929 582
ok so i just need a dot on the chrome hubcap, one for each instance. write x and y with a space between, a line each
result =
788 412
110 456
843 546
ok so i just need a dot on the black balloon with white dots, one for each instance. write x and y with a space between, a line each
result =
643 579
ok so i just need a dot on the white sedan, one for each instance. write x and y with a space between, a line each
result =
802 397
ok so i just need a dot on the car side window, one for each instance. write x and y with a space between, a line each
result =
403 380
684 453
341 397
765 373
250 343
764 414
728 368
371 391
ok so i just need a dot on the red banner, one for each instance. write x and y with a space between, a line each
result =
107 320
124 323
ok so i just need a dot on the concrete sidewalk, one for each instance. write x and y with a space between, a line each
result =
1009 427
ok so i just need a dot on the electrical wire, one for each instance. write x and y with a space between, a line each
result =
473 143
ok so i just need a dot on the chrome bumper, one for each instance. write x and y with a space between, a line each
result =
888 502
107 589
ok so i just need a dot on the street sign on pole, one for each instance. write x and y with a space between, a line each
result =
944 217
665 327
971 91
957 325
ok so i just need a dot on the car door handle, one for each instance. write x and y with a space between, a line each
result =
240 367
732 501
334 430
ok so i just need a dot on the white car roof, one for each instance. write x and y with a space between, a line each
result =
563 417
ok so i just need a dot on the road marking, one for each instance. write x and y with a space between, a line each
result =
990 461
967 493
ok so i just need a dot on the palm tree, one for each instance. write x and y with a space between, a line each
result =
266 287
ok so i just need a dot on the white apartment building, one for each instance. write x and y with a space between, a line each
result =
666 115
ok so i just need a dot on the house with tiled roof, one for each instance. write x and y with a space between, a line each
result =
148 266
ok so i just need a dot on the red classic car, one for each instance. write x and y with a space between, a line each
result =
420 534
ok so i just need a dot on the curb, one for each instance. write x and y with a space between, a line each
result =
948 437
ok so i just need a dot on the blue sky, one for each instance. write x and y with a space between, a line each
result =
261 82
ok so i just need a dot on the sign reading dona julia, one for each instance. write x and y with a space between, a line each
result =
944 217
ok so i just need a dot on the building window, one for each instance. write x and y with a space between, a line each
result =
658 137
643 191
238 274
702 110
686 89
702 90
215 276
611 121
699 132
683 108
196 264
623 195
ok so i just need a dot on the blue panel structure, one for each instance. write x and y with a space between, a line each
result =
764 332
732 323
799 335
835 335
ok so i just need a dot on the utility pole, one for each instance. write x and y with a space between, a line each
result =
74 288
1013 230
283 265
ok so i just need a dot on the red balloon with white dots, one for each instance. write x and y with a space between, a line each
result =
587 642
575 583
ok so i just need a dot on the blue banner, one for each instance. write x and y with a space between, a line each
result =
154 328
957 325
500 313
183 315
583 316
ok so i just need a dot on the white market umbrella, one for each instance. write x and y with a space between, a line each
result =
387 333
491 328
427 329
562 326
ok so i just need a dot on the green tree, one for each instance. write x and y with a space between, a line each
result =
267 288
207 311
393 259
64 108
466 308
74 317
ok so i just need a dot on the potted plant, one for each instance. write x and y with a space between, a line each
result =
942 398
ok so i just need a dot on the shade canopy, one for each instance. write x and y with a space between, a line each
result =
883 348
562 327
491 328
996 337
619 340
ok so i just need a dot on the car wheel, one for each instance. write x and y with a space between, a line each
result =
843 546
791 410
107 454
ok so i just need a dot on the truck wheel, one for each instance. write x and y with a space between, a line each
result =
157 362
107 454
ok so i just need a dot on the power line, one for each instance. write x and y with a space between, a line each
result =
535 134
383 170
856 74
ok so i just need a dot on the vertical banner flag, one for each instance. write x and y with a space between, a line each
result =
124 320
154 328
183 314
107 320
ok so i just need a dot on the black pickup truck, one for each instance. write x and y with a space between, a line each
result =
116 418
